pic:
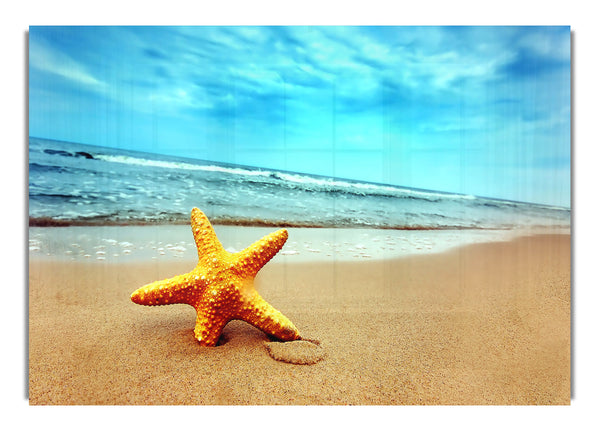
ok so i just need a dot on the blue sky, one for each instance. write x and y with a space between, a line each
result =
476 110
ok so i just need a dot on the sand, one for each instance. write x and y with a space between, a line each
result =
480 324
300 352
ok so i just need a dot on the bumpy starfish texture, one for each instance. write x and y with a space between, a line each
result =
221 286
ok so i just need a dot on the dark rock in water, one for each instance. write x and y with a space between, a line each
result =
67 154
84 154
58 152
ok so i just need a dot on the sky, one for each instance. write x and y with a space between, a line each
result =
475 110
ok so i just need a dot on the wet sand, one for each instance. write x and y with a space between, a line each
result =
481 324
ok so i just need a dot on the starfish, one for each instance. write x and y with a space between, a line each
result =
221 286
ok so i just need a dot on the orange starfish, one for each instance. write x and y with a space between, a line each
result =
221 286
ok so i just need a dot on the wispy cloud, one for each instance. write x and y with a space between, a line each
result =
47 59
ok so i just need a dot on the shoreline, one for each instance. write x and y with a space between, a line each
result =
166 242
485 323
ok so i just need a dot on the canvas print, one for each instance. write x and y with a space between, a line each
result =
299 215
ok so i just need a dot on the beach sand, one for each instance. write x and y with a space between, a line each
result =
481 324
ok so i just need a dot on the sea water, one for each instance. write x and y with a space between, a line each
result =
75 184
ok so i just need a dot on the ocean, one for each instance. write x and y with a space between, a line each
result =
75 184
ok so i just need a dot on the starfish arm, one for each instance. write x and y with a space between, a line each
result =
254 257
173 290
208 326
208 245
265 317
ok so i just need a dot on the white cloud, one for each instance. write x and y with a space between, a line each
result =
176 98
46 59
550 44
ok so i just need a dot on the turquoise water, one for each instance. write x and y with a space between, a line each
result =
74 184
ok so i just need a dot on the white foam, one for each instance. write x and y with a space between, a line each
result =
145 242
128 160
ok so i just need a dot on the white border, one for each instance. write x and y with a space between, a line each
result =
20 15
